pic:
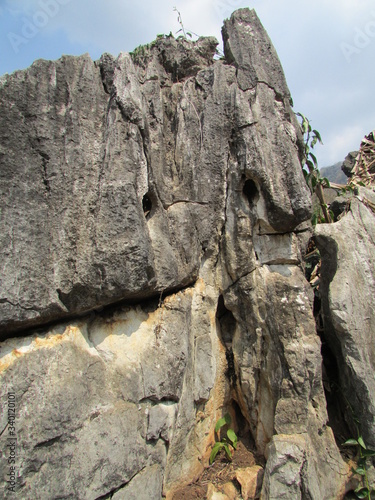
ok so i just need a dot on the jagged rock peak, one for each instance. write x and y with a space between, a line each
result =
102 141
248 46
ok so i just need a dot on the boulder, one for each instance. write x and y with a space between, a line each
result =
250 479
349 162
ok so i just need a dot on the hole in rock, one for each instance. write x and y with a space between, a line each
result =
250 190
147 205
227 323
241 424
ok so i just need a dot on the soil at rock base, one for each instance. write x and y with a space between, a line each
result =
220 472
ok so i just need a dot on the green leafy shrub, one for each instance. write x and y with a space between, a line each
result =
227 442
311 171
363 490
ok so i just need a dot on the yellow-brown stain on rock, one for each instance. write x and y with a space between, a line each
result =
28 345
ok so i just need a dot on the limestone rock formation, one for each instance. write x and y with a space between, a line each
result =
153 221
348 288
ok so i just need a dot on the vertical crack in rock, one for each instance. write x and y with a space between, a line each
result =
223 226
330 364
46 181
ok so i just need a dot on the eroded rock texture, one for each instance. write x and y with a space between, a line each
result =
348 291
171 183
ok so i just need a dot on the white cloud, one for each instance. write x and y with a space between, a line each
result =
341 141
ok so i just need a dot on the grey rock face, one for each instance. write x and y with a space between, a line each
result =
249 48
294 468
92 205
172 183
147 485
94 388
73 230
349 162
277 351
348 286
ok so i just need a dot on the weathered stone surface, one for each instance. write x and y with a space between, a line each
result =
103 399
347 288
147 485
248 47
295 470
348 163
80 184
76 232
171 182
277 351
250 479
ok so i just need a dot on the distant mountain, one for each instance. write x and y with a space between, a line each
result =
334 173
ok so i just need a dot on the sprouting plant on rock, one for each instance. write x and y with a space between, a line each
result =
226 442
363 452
311 171
363 490
185 34
188 35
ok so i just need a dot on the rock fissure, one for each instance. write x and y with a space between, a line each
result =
113 491
5 428
49 442
175 202
17 304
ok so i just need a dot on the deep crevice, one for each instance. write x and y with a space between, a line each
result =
320 269
226 321
46 181
231 370
154 400
147 205
226 328
251 192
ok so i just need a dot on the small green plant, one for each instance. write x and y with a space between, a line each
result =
140 53
185 34
310 168
363 453
351 187
190 34
363 490
318 215
225 443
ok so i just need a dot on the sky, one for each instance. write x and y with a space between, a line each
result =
326 48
